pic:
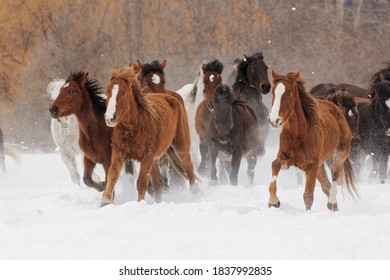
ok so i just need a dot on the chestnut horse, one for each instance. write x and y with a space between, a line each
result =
312 131
84 97
234 132
146 126
212 72
152 78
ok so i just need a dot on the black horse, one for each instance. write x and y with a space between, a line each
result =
251 82
234 133
374 129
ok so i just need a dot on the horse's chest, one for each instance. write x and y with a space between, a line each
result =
133 144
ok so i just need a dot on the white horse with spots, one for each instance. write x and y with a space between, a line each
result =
65 133
193 94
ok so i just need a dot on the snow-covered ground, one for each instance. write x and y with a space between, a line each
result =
44 216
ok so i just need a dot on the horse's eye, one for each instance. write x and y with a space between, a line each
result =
289 93
123 93
71 91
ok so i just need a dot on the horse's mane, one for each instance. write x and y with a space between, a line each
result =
309 104
94 89
375 77
129 76
214 66
154 66
53 88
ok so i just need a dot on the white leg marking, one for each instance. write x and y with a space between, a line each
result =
333 193
274 179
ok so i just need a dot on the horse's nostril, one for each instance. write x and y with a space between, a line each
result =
266 88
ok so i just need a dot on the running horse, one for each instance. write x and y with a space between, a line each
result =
312 132
251 82
152 79
234 132
146 126
83 96
212 72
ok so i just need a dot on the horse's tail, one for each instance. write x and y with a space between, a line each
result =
177 163
350 180
13 152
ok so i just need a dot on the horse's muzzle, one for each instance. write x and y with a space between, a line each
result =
54 112
275 123
111 122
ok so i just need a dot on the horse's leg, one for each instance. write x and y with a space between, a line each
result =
236 161
89 165
311 175
112 177
157 180
129 167
252 161
70 162
204 150
355 155
273 198
382 159
164 165
143 177
323 179
213 168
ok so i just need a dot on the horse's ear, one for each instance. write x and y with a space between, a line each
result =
381 77
297 74
84 78
245 58
140 64
274 74
203 68
163 64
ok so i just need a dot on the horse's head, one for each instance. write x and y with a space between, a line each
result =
223 118
382 91
347 104
53 90
284 94
70 96
120 94
211 79
257 72
152 76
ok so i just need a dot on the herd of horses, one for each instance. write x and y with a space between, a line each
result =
137 119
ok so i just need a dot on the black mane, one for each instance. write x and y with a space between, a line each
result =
94 88
375 77
154 66
214 66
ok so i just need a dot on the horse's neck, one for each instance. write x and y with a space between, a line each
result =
89 119
297 125
383 111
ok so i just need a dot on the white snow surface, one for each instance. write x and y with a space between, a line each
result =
44 216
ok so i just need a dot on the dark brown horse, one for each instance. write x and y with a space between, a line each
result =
234 133
212 72
146 126
312 132
374 130
251 82
347 104
84 97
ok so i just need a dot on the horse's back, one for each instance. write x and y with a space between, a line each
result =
355 90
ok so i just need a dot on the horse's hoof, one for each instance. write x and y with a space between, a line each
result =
105 202
332 207
382 181
276 205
